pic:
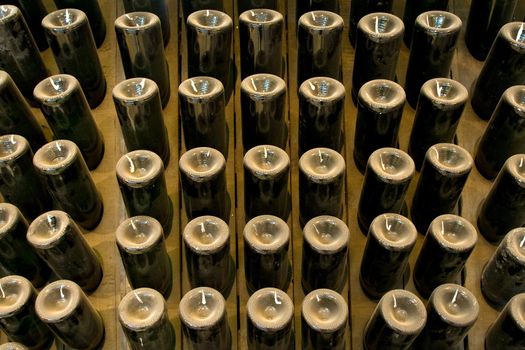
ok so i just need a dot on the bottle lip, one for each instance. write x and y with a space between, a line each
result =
140 167
325 310
464 235
326 234
393 231
374 28
135 90
263 86
256 233
49 228
202 163
138 234
63 290
382 95
137 21
412 306
194 299
64 20
55 156
141 309
515 96
321 21
12 147
326 158
516 310
514 32
514 242
439 22
12 346
465 306
391 165
322 89
516 166
5 78
56 88
210 20
260 17
217 234
201 88
266 161
448 158
445 92
270 309
8 13
20 289
9 218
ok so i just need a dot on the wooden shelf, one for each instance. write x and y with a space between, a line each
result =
115 286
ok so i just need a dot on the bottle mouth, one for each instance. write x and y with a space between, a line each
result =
445 91
55 156
455 304
206 234
12 346
55 88
322 164
141 309
439 22
322 89
321 20
64 19
139 167
210 20
198 88
58 300
453 232
326 234
9 217
47 229
135 89
202 308
515 242
392 165
516 166
514 32
515 96
394 231
8 12
403 311
381 25
12 147
325 310
134 21
382 95
139 233
263 85
516 307
448 158
266 234
257 17
266 161
15 292
201 163
270 309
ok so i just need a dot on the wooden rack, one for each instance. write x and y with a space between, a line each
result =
114 285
